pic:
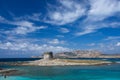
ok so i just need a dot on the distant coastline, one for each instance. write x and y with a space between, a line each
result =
82 54
86 54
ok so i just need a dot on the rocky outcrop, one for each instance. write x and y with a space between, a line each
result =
10 72
48 60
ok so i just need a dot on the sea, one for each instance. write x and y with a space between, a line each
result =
96 72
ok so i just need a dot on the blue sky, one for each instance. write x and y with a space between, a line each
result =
32 27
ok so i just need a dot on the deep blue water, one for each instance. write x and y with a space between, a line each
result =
32 59
100 72
17 59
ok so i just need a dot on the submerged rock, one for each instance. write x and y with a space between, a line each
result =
10 72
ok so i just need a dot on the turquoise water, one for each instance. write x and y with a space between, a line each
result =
101 72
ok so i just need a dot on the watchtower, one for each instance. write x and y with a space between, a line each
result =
48 55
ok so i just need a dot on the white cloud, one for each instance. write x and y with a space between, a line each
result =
68 12
101 9
91 44
114 24
118 44
20 40
64 30
12 46
34 17
31 47
108 46
26 29
112 38
60 36
84 32
87 30
56 41
23 26
2 18
20 23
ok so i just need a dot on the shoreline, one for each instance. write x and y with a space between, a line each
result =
65 62
58 62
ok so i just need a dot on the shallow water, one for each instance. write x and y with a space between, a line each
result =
100 72
103 72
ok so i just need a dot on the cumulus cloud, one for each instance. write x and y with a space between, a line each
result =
67 12
31 47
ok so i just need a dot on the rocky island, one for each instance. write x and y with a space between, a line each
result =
64 58
49 60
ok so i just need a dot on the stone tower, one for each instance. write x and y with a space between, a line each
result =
48 55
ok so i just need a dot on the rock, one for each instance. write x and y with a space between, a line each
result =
9 72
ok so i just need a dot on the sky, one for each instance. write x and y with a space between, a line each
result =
31 27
